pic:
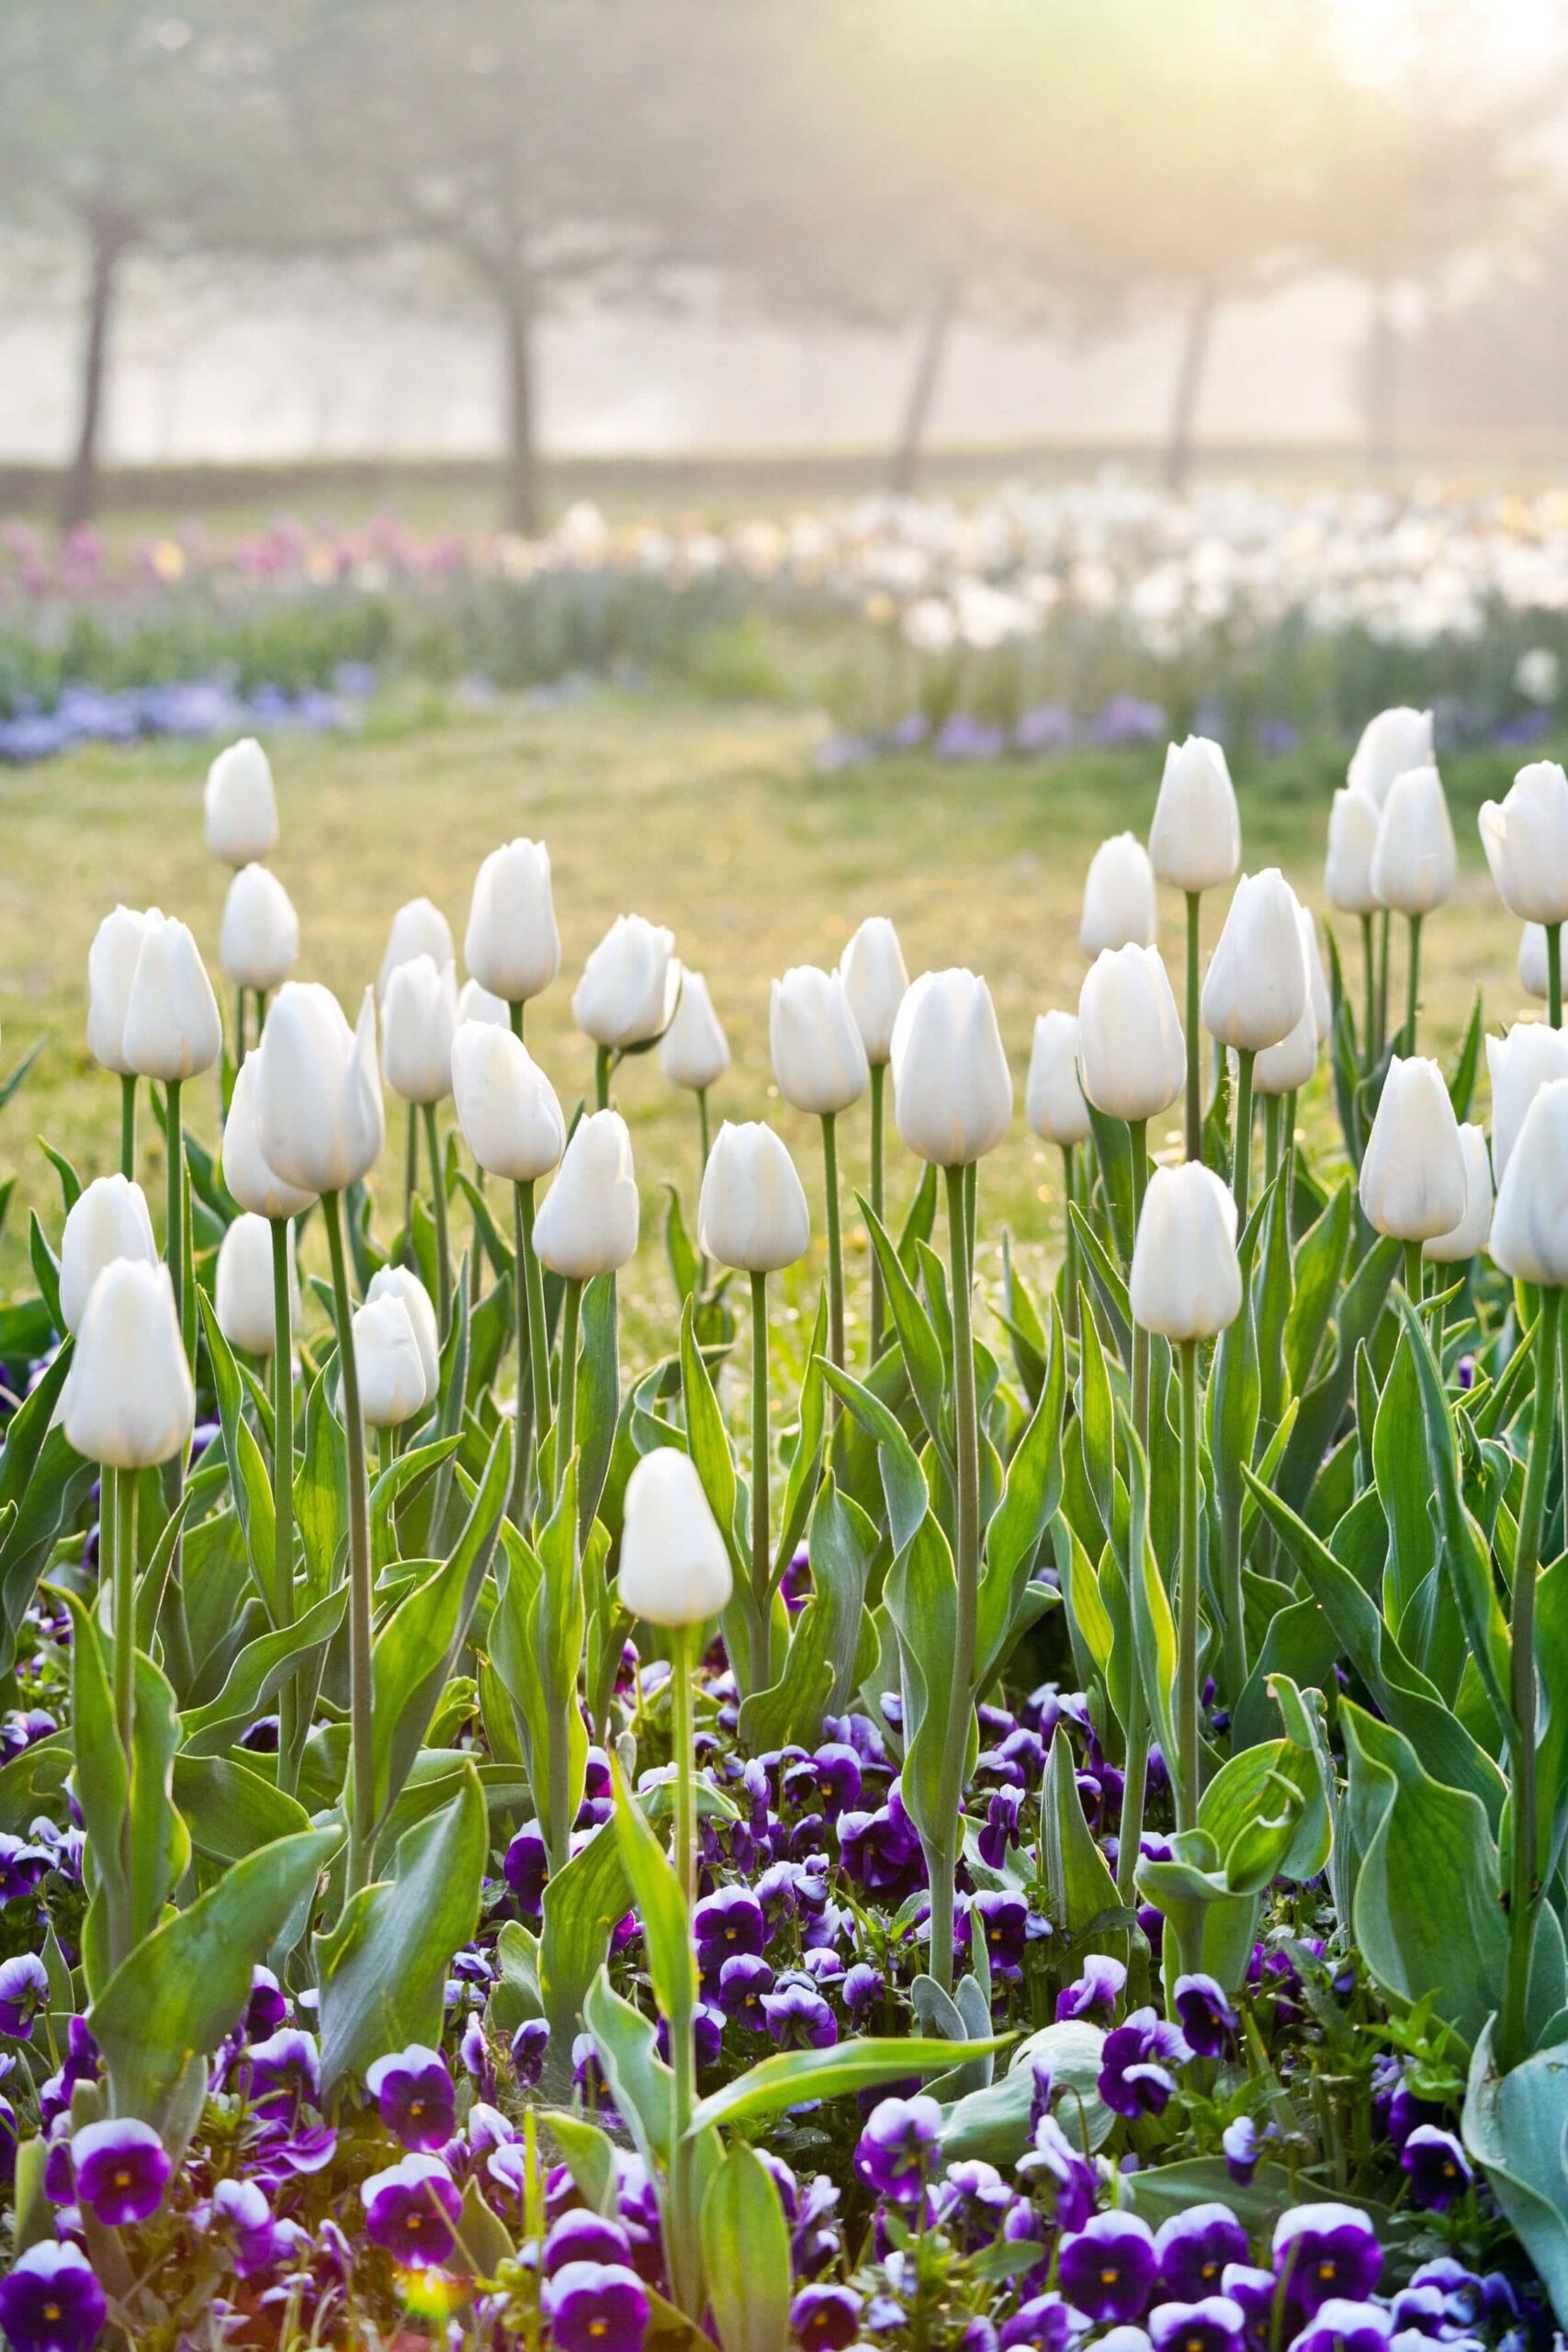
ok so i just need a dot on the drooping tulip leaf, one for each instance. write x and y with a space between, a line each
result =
793 2077
746 2254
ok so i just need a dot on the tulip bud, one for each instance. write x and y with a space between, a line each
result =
1318 978
251 1182
475 1003
1352 838
1186 1279
1413 1171
1285 1068
1529 1223
321 1118
242 807
512 945
752 1212
244 1300
674 1568
629 986
418 929
694 1050
1195 838
1413 864
589 1223
1052 1097
400 1283
258 941
172 1026
129 1402
875 983
818 1057
111 967
418 1017
1533 969
1525 836
1530 1057
392 1375
951 1086
506 1106
1119 903
1391 743
1256 988
1471 1233
108 1220
1132 1056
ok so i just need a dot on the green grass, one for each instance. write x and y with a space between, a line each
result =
712 821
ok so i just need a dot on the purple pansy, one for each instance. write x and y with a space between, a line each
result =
1194 2246
1435 2167
1107 2267
1096 1992
896 2149
578 2235
529 2044
1204 2015
596 2307
1137 2063
1046 2324
1326 2253
120 2170
799 2018
410 2209
825 2318
414 2095
1343 2325
51 2301
24 1991
1211 2324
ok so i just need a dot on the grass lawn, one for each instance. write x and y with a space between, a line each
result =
710 821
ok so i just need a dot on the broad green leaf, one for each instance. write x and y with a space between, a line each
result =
1516 2127
746 2254
230 1811
923 1359
248 1477
1082 1889
903 1480
792 2076
657 1896
583 1904
993 2125
1320 1260
259 1671
1029 1502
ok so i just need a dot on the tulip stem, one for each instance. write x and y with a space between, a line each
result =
566 1412
1138 1140
1512 2042
685 2262
1384 921
1270 1137
530 1318
173 1138
835 1240
1287 1146
1412 985
1241 1174
362 1766
117 1509
127 1123
1069 1248
1195 1062
289 1742
1415 1273
411 1180
1187 1665
1555 974
438 1206
961 1695
761 1563
603 1063
515 1013
239 1027
703 1145
1369 974
878 1080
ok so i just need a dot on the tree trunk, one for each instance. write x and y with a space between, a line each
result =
904 472
1381 382
522 458
79 491
1189 377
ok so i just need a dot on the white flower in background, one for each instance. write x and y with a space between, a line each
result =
1391 743
1538 676
629 986
1119 907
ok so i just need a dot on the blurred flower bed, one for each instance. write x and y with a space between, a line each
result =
1030 623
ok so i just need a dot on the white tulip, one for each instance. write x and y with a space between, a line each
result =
241 804
1186 1279
111 967
418 929
476 1004
1471 1233
1195 838
1391 743
751 1212
1285 1068
258 940
1257 988
242 1298
1318 978
951 1086
629 986
252 1183
1414 864
512 945
674 1569
402 1283
1413 1171
506 1106
819 1060
1118 900
1525 836
1052 1097
1131 1055
321 1122
1529 1223
1352 840
109 1219
1533 968
129 1402
1518 1065
386 1352
419 1020
875 982
589 1223
172 1026
694 1050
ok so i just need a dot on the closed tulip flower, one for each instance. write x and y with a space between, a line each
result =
418 929
751 1214
1352 838
694 1050
875 983
252 1183
1119 902
506 1106
1186 1279
321 1121
1533 970
111 967
1529 1223
589 1223
951 1086
1413 864
402 1283
392 1372
240 805
475 1003
1392 745
1318 978
1131 1057
1525 836
258 940
129 1403
1530 1057
1052 1098
630 983
674 1569
1413 1172
512 945
1471 1233
818 1057
1256 990
1195 838
1285 1068
172 1026
109 1219
244 1300
419 1018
